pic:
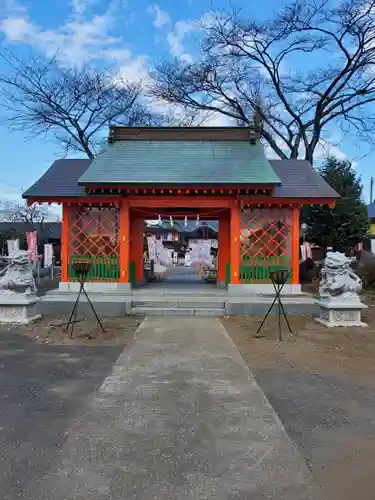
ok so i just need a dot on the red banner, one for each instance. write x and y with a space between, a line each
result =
32 245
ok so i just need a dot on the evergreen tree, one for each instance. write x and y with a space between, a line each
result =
347 223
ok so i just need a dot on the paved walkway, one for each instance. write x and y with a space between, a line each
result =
181 279
180 417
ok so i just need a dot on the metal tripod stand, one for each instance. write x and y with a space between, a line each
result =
81 270
279 279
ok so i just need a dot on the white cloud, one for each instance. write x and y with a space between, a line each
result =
54 213
85 37
177 115
209 19
128 67
182 29
161 17
17 29
117 55
11 6
270 153
329 148
176 37
74 42
219 120
326 147
80 38
134 69
79 6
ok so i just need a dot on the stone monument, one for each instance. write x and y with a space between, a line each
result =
339 290
18 300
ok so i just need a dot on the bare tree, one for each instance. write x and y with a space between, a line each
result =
309 69
73 105
13 211
178 116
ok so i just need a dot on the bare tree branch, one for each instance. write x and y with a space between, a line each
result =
13 211
75 105
312 65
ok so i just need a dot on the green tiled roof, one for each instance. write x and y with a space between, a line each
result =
181 162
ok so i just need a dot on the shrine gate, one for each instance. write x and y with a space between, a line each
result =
218 173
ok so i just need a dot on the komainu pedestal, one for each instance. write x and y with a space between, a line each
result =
18 300
339 289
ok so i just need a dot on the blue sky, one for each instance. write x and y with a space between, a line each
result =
135 34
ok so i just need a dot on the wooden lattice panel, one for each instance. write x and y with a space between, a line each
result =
266 242
94 237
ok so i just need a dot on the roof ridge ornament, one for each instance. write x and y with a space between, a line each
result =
111 135
252 136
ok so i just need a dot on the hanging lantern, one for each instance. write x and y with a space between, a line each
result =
185 221
197 220
159 219
171 220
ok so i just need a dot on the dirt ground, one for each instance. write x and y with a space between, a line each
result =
342 351
86 331
321 383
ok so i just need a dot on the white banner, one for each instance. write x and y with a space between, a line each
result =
212 243
200 250
158 249
151 247
162 254
13 246
48 255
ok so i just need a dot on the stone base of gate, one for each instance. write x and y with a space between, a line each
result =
117 288
262 289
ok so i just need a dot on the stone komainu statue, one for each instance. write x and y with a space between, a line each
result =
338 280
17 277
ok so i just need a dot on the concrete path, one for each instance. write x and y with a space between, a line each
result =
181 279
180 417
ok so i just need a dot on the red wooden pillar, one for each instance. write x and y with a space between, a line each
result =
235 258
124 241
224 244
65 242
136 245
295 244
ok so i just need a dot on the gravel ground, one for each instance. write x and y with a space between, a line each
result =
332 422
86 330
43 389
321 383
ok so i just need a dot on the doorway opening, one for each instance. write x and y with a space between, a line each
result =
180 250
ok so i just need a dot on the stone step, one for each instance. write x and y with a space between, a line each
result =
186 303
168 293
56 296
180 311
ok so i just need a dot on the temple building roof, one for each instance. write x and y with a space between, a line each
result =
200 156
298 180
181 163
